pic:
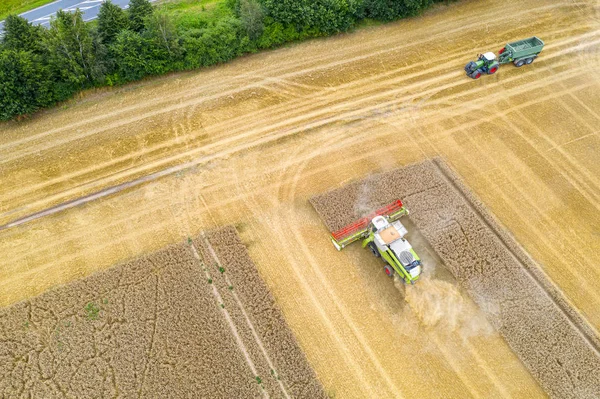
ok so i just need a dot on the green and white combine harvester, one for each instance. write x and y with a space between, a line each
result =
520 53
383 233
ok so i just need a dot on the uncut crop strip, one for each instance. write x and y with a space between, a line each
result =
230 323
154 327
257 339
549 336
257 316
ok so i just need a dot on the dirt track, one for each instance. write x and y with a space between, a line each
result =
281 126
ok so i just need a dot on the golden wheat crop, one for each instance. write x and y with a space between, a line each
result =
290 365
151 328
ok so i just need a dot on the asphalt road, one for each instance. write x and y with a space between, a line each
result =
90 8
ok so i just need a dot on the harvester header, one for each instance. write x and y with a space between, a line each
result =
382 232
360 229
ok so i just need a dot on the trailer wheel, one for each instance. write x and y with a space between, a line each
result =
529 60
374 250
388 270
519 63
476 74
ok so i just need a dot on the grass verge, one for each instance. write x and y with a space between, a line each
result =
8 7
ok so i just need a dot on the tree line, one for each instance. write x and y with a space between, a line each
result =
40 67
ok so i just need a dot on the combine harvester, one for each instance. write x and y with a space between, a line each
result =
383 233
520 53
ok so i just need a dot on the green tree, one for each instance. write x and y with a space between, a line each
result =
25 84
19 34
388 10
318 16
252 17
154 51
111 20
71 49
219 43
161 32
129 56
139 10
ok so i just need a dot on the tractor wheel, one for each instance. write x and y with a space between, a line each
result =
519 63
476 74
374 250
529 60
493 70
388 270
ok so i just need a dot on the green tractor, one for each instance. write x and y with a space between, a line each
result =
521 52
486 63
383 234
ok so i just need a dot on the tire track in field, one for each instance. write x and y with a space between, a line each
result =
169 99
63 194
228 143
309 116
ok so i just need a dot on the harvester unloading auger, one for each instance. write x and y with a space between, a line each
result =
383 233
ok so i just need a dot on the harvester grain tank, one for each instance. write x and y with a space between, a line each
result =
520 53
383 234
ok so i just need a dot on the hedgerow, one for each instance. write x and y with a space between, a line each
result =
39 67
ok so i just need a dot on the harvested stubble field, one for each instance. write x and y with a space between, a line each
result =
551 339
248 143
155 328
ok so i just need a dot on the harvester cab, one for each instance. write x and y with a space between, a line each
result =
486 63
383 234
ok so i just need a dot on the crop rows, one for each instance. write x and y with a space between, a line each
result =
234 271
549 337
148 328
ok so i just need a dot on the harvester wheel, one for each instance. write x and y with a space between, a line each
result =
374 250
520 63
388 270
476 74
529 60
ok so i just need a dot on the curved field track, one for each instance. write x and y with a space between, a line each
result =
261 135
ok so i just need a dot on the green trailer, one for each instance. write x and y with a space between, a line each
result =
520 53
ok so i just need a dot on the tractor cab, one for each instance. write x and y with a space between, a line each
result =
488 57
486 63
